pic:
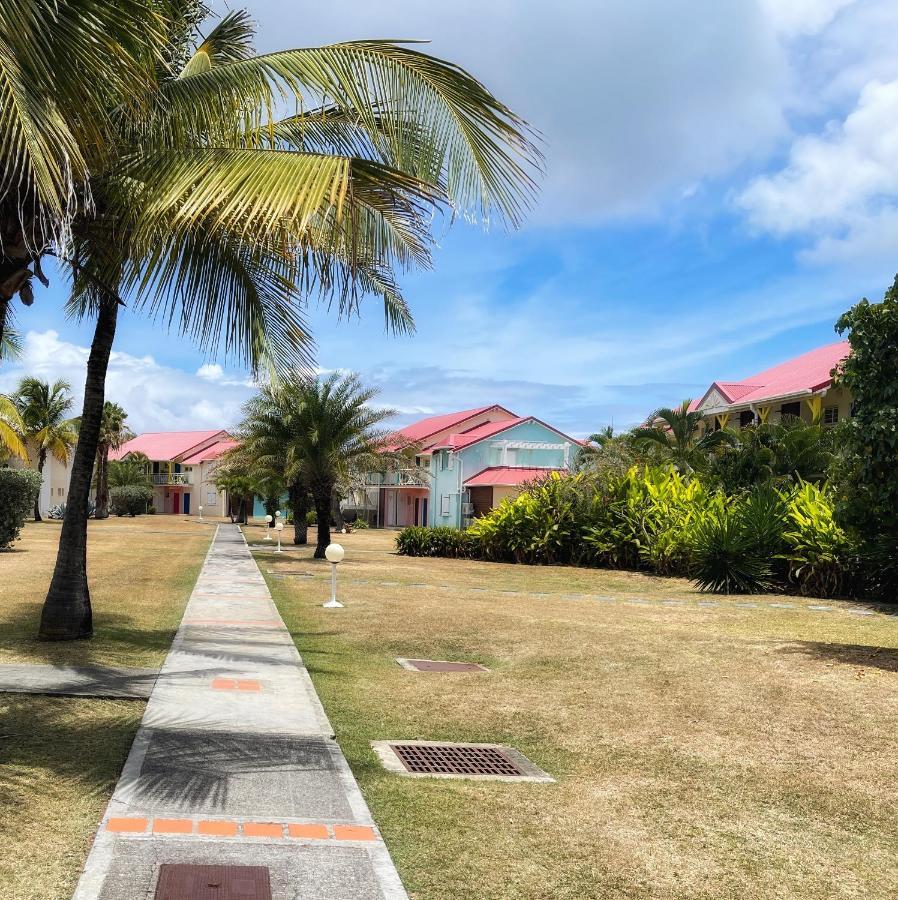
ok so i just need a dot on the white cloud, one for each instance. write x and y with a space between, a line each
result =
794 17
156 397
210 371
835 186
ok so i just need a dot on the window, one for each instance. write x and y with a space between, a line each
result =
790 409
830 415
444 460
746 418
444 504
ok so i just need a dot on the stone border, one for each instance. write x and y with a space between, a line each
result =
393 764
407 664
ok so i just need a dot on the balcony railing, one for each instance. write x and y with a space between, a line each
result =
170 477
398 478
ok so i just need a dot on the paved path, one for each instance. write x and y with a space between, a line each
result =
235 762
78 681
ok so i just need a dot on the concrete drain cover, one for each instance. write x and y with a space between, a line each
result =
183 882
439 665
434 759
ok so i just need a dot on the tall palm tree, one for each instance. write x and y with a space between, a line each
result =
675 435
66 66
43 409
113 433
12 429
213 215
323 426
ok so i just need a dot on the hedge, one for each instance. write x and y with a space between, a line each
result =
18 491
130 500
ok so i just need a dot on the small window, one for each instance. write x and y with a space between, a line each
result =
830 415
444 504
746 418
790 409
444 460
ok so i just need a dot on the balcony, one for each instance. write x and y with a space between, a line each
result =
398 478
168 478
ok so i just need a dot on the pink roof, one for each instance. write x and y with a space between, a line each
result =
208 453
803 374
506 476
165 445
488 429
419 431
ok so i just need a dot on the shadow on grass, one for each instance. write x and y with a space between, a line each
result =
885 658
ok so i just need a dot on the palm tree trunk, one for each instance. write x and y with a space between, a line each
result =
299 502
41 461
102 506
322 493
67 614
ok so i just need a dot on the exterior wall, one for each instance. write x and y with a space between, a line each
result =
397 506
503 492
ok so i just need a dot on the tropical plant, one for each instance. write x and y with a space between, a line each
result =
19 489
869 477
133 469
231 477
215 215
12 429
675 436
114 432
130 499
43 409
606 451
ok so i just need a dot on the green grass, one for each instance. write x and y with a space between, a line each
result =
700 752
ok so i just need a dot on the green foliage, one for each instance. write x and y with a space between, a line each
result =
19 489
416 540
130 470
869 476
130 499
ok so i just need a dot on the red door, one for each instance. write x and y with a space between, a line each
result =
176 502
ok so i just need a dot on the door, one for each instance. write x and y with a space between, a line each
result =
416 520
186 504
424 503
390 513
176 502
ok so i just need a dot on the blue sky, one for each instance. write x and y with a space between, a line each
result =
722 181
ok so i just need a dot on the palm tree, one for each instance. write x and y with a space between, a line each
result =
213 215
12 429
65 67
132 470
113 433
43 409
675 435
322 428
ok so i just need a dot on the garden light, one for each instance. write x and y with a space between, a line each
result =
279 528
334 554
268 521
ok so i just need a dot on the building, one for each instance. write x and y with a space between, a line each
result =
55 478
182 469
801 387
463 464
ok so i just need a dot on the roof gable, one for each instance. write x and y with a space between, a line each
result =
418 432
167 445
491 429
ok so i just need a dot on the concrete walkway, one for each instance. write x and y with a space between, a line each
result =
235 763
78 681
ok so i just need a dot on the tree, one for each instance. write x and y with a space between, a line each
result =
239 485
113 433
322 427
606 451
132 470
12 429
214 215
674 434
870 477
43 409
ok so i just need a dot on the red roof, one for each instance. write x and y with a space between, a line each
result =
165 445
208 453
506 476
488 429
418 432
803 374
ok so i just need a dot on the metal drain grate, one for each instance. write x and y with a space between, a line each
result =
455 759
185 882
439 665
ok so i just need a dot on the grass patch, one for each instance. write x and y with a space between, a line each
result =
141 572
700 751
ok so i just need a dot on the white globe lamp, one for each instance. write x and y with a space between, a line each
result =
334 554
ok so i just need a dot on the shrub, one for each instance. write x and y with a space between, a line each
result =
130 500
18 491
416 540
57 512
360 524
311 517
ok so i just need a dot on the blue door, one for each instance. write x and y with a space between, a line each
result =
424 503
186 504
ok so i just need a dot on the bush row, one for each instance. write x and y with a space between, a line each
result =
18 490
655 519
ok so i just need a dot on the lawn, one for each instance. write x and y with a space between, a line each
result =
61 757
700 751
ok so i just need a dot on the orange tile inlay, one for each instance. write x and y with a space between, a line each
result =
263 829
217 828
249 684
172 826
354 833
224 684
319 832
127 825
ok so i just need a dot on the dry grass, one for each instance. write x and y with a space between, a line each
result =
141 573
700 752
61 757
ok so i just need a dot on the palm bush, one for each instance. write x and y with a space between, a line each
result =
19 489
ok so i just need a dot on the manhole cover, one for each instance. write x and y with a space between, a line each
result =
438 665
183 882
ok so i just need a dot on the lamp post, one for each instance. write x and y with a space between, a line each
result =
201 513
279 528
268 521
334 554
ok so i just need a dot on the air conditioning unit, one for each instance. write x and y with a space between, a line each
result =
467 509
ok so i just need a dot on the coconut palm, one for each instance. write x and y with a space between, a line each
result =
43 409
65 67
113 433
321 428
132 470
674 434
12 429
212 215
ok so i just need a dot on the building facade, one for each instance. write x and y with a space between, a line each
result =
181 466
